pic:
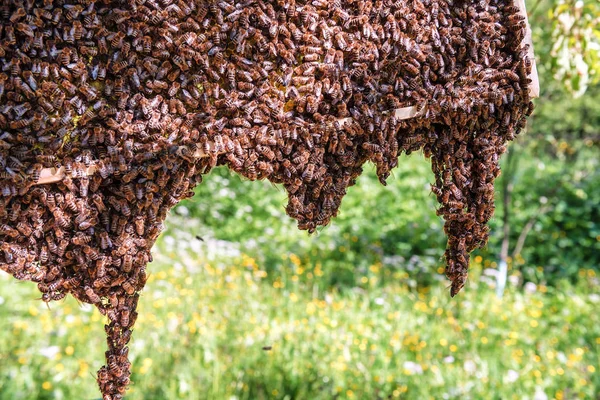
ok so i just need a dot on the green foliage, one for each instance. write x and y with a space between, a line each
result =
563 180
576 44
566 41
205 329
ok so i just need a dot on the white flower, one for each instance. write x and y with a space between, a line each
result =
413 367
50 352
594 298
470 366
530 287
449 360
184 387
379 301
511 376
182 210
539 394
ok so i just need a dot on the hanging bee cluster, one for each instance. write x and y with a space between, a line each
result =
301 93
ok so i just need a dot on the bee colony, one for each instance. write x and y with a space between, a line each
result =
132 101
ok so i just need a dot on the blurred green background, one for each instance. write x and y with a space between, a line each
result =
242 305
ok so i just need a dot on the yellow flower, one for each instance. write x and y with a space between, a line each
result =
591 369
453 348
83 369
534 323
443 342
69 350
46 385
295 260
161 275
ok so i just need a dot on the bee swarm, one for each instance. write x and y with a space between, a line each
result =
135 89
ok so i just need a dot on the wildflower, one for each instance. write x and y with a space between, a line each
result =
591 369
412 368
530 287
46 385
511 376
50 352
539 394
295 260
470 366
83 368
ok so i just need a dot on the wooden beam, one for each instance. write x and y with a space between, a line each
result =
53 175
534 86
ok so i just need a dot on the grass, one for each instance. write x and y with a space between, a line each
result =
214 328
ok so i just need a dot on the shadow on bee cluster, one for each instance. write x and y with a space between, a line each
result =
139 87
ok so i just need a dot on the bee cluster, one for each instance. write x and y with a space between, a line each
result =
298 92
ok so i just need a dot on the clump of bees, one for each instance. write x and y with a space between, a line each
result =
301 93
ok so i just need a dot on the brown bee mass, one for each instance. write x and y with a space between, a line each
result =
300 93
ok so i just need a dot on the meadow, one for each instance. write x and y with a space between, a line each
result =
214 324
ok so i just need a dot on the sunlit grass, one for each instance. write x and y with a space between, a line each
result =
225 329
